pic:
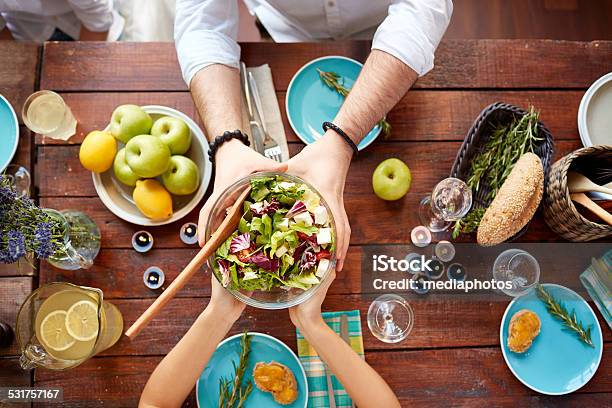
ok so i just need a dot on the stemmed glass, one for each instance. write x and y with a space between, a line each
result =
450 200
390 318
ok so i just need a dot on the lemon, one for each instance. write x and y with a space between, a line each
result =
98 151
82 320
152 199
53 331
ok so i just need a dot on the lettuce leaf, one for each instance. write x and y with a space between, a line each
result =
308 230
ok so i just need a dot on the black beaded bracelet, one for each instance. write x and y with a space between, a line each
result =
329 125
226 137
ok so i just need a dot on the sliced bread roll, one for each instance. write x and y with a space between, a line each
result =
515 203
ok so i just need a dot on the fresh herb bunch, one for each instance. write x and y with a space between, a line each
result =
333 81
569 320
506 145
25 229
496 160
469 223
233 392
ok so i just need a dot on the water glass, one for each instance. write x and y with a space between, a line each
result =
46 113
450 200
390 318
519 268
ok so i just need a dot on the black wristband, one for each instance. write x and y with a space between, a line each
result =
329 125
226 137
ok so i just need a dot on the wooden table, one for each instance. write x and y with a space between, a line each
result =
453 354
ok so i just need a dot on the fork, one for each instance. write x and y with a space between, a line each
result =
271 148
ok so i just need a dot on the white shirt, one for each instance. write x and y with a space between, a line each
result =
36 20
205 31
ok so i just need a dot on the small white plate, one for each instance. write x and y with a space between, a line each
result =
603 84
117 197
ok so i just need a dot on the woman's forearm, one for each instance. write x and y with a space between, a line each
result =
174 377
362 383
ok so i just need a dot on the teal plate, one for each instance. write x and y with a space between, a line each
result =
263 348
310 102
557 362
9 133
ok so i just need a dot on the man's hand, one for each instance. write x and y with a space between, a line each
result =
233 161
324 164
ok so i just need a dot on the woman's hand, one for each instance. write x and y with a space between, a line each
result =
324 164
223 304
308 314
233 161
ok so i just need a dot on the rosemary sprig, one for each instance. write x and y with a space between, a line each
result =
469 223
332 80
233 392
506 145
570 321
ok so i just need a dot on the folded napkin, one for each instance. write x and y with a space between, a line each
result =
271 111
315 369
598 283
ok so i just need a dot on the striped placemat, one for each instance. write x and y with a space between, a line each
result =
315 369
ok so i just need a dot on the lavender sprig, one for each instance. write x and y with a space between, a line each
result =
25 228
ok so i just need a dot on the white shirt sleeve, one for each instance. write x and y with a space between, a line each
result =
95 15
205 33
412 31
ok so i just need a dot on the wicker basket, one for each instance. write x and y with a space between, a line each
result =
560 214
494 115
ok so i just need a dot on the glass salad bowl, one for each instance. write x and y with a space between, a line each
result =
284 246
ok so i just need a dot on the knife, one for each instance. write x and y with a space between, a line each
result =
344 333
256 131
330 388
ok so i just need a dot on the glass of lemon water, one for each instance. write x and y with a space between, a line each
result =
61 325
46 113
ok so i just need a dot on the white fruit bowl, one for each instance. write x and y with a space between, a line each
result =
117 197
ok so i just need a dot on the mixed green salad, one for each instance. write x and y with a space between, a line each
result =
284 239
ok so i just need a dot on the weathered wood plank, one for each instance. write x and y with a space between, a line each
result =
422 115
18 71
11 375
373 220
13 292
444 377
459 64
119 271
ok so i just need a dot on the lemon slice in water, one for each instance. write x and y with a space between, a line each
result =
53 331
82 320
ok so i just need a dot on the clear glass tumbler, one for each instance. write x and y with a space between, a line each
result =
46 113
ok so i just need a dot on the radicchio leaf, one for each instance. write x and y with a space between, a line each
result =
309 259
299 250
298 207
225 273
265 207
264 262
240 242
303 237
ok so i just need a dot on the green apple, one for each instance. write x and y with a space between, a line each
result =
173 132
182 176
391 179
147 155
128 121
122 170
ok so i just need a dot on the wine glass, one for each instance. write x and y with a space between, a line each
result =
517 267
450 200
20 178
390 318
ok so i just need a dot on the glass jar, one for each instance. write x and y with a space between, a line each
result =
81 241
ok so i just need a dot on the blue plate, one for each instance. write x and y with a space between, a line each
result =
263 348
9 133
557 362
310 102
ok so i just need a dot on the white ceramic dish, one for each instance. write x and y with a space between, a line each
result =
593 103
118 197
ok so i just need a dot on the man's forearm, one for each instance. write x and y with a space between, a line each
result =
216 93
383 81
